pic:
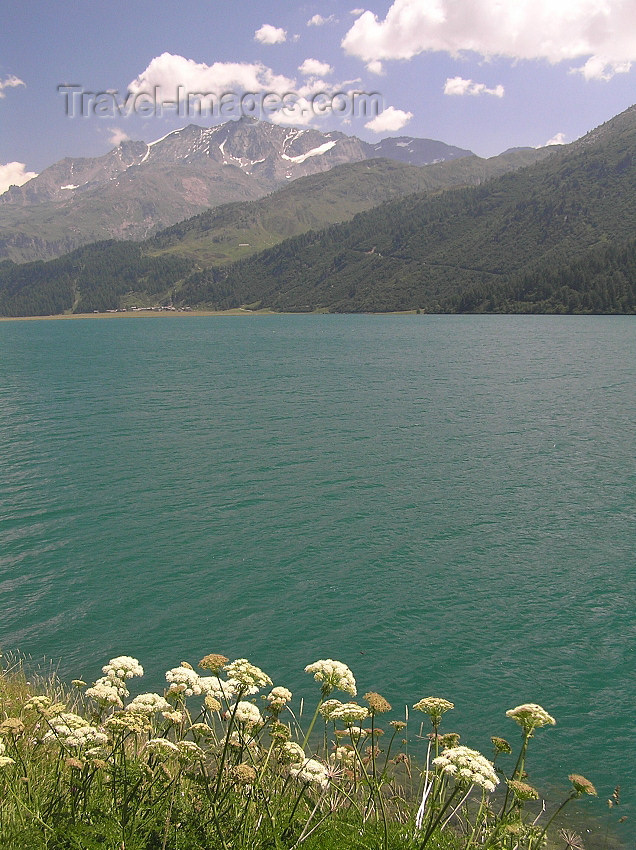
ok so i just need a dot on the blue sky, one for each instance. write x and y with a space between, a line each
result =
481 74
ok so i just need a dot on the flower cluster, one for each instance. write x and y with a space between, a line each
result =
349 713
189 751
291 752
377 703
248 675
148 704
74 732
162 748
467 767
213 662
247 713
107 692
183 681
278 698
122 667
5 761
328 706
37 703
434 707
224 691
128 721
530 716
311 771
333 675
522 790
582 785
344 757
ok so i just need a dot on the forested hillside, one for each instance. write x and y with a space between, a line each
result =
509 242
91 278
556 236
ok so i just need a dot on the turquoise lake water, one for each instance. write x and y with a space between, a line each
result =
447 504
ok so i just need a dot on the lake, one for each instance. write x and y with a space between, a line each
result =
445 503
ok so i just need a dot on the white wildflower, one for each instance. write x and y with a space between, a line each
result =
189 751
467 767
162 748
173 716
148 704
356 732
107 692
328 706
203 730
344 757
333 675
73 736
122 667
530 716
311 771
37 703
434 707
5 761
349 713
292 752
278 698
247 713
247 674
183 680
73 721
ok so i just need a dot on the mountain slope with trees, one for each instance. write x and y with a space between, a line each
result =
523 232
556 236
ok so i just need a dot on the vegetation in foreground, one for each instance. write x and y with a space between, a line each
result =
212 764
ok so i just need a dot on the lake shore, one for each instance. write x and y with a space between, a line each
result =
144 314
151 314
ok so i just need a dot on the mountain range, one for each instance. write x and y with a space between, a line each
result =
139 188
528 231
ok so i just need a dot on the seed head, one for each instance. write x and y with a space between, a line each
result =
213 662
522 790
377 703
582 785
501 745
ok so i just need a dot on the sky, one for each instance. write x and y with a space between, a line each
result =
79 77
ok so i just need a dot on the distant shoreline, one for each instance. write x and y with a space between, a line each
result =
149 314
144 314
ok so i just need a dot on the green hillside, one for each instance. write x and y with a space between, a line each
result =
94 278
234 231
555 236
110 275
494 244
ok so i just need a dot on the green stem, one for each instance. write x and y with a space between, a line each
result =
572 796
437 820
313 722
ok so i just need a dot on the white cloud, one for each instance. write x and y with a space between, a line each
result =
314 68
598 68
319 21
172 75
602 30
13 174
268 34
10 82
375 67
557 139
389 120
117 136
169 71
459 86
356 12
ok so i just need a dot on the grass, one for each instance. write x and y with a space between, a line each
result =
223 761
